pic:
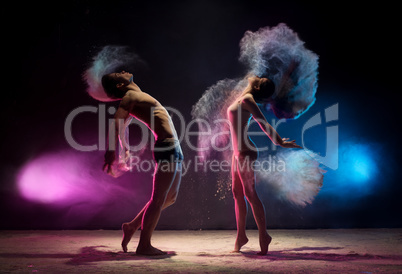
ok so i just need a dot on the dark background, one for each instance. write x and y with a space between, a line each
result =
188 46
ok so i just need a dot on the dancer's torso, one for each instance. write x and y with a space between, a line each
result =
149 111
239 118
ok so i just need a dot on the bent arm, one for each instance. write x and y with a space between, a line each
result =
116 140
120 129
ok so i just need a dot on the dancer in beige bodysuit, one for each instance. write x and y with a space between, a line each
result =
244 155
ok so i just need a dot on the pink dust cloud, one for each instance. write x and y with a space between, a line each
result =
66 178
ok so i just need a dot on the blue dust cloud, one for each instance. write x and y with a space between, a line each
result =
298 181
270 52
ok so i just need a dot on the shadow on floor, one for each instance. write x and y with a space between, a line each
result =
301 254
89 254
297 254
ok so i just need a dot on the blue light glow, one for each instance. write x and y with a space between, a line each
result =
357 172
359 161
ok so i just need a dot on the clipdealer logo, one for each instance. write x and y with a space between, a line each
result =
330 114
331 157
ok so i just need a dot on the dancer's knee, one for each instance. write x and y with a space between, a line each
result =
158 201
251 193
171 199
237 193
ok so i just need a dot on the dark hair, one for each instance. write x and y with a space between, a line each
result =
267 89
109 84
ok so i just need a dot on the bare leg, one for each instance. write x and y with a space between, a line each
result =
130 228
248 179
240 208
163 180
174 189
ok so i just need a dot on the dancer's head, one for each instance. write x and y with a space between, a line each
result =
115 84
262 88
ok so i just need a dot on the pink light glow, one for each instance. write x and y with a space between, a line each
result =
48 179
62 177
75 181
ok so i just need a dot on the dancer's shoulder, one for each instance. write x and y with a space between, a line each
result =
139 99
247 99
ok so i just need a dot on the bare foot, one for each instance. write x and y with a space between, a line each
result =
265 240
149 251
128 232
240 241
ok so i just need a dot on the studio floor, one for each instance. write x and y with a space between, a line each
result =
291 251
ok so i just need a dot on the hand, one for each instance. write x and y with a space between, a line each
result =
110 157
289 144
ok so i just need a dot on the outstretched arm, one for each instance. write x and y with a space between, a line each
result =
250 105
